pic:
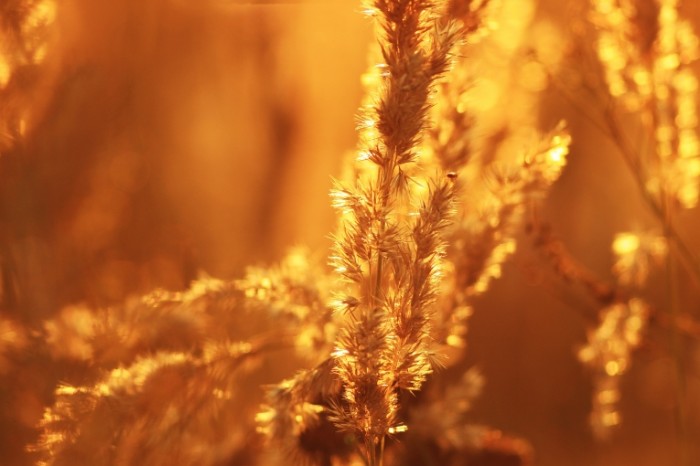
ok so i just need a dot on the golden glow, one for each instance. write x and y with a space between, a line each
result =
608 352
455 340
35 25
611 419
110 110
43 13
608 396
618 54
625 243
5 71
397 429
665 88
613 368
484 96
557 154
534 77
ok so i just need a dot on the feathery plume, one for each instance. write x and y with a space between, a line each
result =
389 255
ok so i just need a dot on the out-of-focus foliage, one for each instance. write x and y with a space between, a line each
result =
500 144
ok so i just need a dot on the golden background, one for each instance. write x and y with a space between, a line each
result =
165 138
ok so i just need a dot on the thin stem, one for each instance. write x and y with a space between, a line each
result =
365 457
384 176
371 451
574 103
380 267
676 344
603 293
682 250
615 134
381 450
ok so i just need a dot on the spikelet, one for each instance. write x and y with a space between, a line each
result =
160 320
295 293
619 49
389 259
623 320
658 81
493 89
635 254
204 339
484 238
647 70
450 139
444 415
294 409
292 295
511 188
24 39
442 421
165 408
483 119
608 354
674 109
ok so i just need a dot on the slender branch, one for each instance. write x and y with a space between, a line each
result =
572 271
683 252
616 135
674 339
